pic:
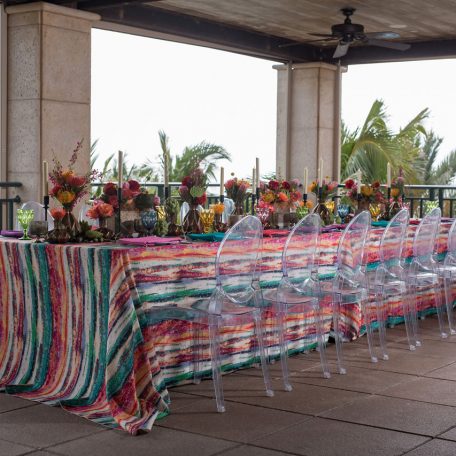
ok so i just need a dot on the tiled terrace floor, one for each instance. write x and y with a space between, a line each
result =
406 405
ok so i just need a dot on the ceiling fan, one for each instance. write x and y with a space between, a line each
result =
349 33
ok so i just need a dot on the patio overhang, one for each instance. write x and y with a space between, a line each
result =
281 30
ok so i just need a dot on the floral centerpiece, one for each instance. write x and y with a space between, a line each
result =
323 192
69 187
193 192
101 211
365 195
236 189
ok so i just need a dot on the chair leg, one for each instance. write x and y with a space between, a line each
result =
197 351
406 309
382 317
413 298
367 321
337 333
447 283
439 308
264 364
321 339
282 328
214 336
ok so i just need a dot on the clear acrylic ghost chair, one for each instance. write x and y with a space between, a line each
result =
349 285
447 272
233 301
389 278
298 290
422 272
38 215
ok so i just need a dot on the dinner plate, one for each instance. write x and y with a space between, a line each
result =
11 233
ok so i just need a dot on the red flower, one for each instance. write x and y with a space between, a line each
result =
201 199
349 183
77 181
376 184
286 185
112 200
110 189
187 181
273 185
56 189
134 185
58 213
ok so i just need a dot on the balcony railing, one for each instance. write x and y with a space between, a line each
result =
7 206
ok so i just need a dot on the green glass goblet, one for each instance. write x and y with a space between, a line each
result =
24 217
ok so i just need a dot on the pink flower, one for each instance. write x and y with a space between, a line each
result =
229 184
156 200
134 185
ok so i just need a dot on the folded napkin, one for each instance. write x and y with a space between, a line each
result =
11 233
208 237
151 240
380 223
333 227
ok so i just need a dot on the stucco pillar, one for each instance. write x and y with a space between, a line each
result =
308 119
48 90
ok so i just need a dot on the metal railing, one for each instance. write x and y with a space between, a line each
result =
7 206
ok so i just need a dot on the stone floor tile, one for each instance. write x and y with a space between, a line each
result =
159 442
8 403
249 450
321 437
13 449
449 435
445 373
397 414
432 390
306 399
356 379
42 425
240 423
435 447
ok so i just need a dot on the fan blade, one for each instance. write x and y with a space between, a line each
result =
341 50
382 35
297 43
389 44
323 35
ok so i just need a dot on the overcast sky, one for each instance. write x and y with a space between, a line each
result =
141 85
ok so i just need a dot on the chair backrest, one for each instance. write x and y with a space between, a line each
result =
393 239
38 214
351 247
300 251
237 258
426 233
451 244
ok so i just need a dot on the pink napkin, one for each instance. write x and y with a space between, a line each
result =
151 240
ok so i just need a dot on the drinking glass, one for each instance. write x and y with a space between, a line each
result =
342 211
24 217
148 219
207 219
375 211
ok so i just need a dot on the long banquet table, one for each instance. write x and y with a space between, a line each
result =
76 327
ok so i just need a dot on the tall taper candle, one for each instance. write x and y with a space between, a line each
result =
320 177
257 169
166 170
388 175
306 178
120 168
222 180
253 179
45 187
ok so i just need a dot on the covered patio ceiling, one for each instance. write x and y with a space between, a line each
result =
281 29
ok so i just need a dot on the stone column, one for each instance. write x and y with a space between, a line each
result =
48 92
308 119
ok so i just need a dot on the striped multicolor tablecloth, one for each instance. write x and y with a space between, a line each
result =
76 326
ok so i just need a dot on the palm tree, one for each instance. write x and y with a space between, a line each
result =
372 146
203 154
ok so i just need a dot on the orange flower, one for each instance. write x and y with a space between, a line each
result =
283 197
66 197
366 190
309 204
395 192
218 208
57 213
105 210
67 175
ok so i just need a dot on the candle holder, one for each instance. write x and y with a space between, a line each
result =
258 193
119 210
222 198
304 198
388 193
46 206
166 192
